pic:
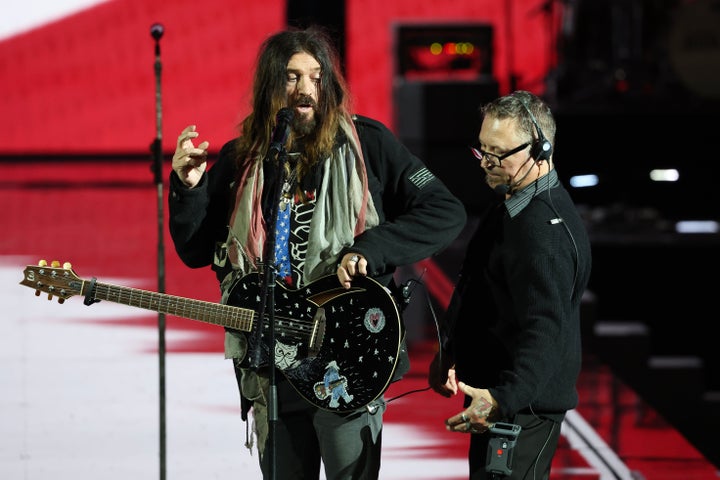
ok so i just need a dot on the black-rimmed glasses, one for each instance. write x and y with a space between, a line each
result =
484 156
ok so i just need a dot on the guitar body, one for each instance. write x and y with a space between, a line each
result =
338 348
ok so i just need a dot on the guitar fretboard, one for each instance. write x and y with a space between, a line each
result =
229 316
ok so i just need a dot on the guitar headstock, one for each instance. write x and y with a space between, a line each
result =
56 281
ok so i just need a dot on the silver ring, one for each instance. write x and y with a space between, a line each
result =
464 417
354 258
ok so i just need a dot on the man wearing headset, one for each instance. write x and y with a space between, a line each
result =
511 335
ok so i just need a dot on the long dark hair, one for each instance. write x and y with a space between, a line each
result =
269 94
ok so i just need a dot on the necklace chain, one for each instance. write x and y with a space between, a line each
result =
290 178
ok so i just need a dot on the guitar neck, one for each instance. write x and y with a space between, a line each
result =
338 347
229 316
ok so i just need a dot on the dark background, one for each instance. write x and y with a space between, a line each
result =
621 111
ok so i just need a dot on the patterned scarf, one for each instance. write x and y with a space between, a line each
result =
344 209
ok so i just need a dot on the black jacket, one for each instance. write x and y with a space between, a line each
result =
419 217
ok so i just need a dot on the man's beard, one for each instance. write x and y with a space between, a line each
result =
302 126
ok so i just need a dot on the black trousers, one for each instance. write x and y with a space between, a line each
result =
531 457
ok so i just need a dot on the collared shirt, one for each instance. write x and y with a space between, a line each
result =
521 198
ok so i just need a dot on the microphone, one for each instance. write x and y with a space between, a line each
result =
502 189
157 30
282 129
508 187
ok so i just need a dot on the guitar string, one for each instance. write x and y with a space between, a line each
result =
125 295
304 326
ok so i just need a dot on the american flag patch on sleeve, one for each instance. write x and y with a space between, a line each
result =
422 177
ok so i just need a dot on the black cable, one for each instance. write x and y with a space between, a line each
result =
407 393
567 229
406 291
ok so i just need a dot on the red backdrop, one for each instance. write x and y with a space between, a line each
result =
86 83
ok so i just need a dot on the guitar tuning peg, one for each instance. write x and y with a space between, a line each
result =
37 293
61 301
50 296
42 263
67 266
55 264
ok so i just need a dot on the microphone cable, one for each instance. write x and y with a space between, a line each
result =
406 290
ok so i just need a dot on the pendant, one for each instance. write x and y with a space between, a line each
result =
285 197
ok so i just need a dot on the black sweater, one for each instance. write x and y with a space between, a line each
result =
516 308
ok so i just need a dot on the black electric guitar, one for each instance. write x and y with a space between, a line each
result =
338 348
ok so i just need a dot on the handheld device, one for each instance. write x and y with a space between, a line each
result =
500 448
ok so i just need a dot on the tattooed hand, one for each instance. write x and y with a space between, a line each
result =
479 416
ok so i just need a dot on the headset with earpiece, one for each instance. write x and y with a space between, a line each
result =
541 148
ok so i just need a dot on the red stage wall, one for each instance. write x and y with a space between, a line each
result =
86 83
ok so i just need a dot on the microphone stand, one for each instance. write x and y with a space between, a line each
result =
267 293
157 30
